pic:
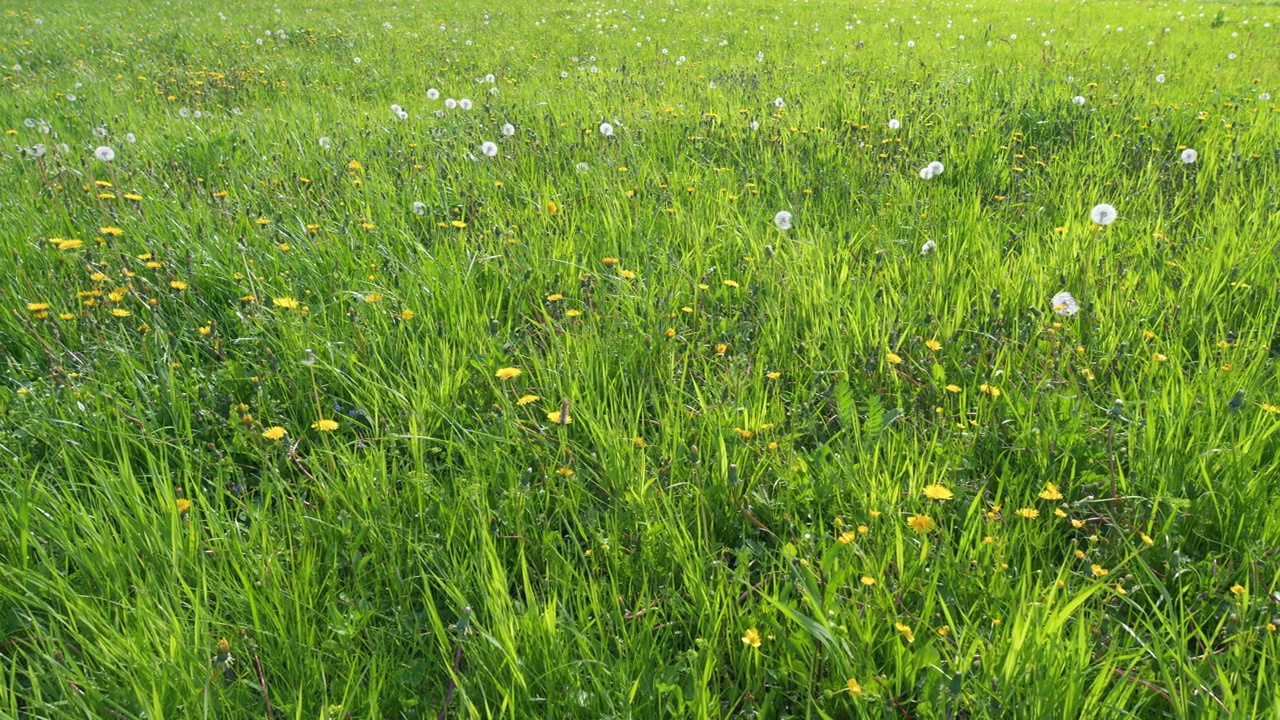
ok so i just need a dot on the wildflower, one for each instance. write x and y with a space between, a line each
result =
273 433
105 154
867 580
526 399
552 208
752 637
37 307
627 275
921 523
854 688
782 220
1079 100
937 492
846 537
1098 570
1188 156
111 231
933 345
1065 304
773 375
894 124
464 103
433 94
609 260
508 373
120 312
554 297
1103 214
906 632
893 358
508 129
991 390
183 506
1029 513
205 330
1159 357
324 142
1050 492
406 314
325 425
721 348
1237 589
489 149
419 208
731 283
928 247
606 129
263 221
953 388
287 303
561 416
177 285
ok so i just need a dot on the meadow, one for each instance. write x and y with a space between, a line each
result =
395 359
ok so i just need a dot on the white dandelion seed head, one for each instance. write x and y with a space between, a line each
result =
197 114
911 43
36 150
564 74
433 94
1103 214
754 126
184 112
100 131
1188 156
1264 96
782 220
325 142
105 154
926 173
928 247
403 115
490 78
779 103
1160 78
894 124
29 123
464 103
450 103
395 108
64 148
606 129
237 112
508 129
582 167
1079 100
489 149
937 168
419 207
1064 304
355 60
130 138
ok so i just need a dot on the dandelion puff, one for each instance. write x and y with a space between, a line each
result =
130 138
1079 100
1065 304
355 60
464 103
433 94
782 220
325 142
754 126
100 131
419 207
489 149
105 154
184 112
508 129
1103 214
403 115
395 108
606 129
779 103
490 78
937 168
1160 78
450 103
582 167
1188 156
894 124
1264 96
926 172
928 247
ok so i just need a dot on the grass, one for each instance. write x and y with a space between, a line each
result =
812 472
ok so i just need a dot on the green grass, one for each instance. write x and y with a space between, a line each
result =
755 412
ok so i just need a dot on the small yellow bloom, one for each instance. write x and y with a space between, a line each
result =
991 390
937 492
953 388
263 221
921 523
773 375
120 312
287 303
670 333
867 580
273 433
205 330
373 298
183 506
1077 524
752 637
555 297
110 231
508 373
552 208
893 358
906 631
458 224
573 313
933 345
1159 357
354 165
627 274
177 285
609 260
325 425
406 314
854 688
846 537
1099 571
526 399
37 307
731 283
1237 589
1050 492
721 348
1029 513
559 417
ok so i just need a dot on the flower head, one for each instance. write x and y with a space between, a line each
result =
325 425
1065 304
906 631
782 220
751 637
105 154
489 149
508 373
937 492
1050 492
1029 513
273 433
1103 214
606 129
921 523
1188 156
894 124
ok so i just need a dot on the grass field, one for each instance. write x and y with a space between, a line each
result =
527 398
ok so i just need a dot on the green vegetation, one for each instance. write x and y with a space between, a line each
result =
282 423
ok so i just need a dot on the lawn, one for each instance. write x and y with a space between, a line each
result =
662 360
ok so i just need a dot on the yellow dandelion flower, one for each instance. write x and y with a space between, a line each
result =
751 637
373 298
1028 513
1098 570
552 208
273 433
937 492
37 307
205 330
991 390
1050 492
846 537
773 375
953 388
1077 524
120 312
627 275
921 523
110 230
933 345
853 687
670 333
526 399
732 283
609 260
184 505
893 358
1237 589
354 165
867 580
406 314
721 348
906 631
559 417
458 224
508 373
287 303
177 285
555 297
263 221
573 313
325 425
